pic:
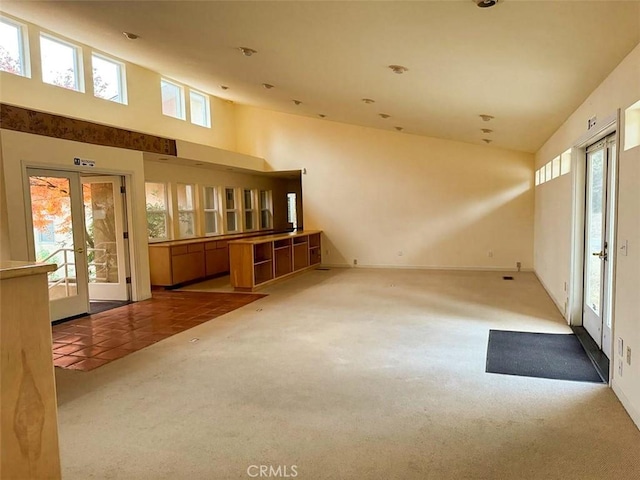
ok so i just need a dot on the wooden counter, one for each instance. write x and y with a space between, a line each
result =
29 427
262 260
180 261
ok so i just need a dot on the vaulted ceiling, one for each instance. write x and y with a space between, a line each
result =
529 64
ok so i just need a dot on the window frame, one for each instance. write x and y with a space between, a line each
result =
267 207
77 62
216 210
181 211
122 78
182 111
207 108
166 212
23 47
249 209
234 210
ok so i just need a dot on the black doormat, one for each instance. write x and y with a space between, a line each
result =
545 355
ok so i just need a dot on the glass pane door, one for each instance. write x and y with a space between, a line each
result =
58 237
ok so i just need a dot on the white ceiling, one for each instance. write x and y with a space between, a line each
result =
528 63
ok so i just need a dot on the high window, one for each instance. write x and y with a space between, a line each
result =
109 81
200 113
157 211
172 99
266 214
186 211
230 210
211 211
292 213
14 56
61 63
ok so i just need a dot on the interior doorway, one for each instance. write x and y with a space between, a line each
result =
79 222
599 240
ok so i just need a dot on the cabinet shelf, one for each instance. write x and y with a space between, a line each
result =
262 262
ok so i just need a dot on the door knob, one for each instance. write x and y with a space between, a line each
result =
81 250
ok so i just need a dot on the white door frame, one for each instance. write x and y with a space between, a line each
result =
604 128
132 261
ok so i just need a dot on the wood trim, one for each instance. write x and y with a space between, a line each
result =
56 126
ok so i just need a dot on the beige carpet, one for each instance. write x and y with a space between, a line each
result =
347 374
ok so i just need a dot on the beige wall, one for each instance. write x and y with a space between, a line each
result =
22 150
201 176
143 113
554 216
377 193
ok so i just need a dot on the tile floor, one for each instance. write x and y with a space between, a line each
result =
95 340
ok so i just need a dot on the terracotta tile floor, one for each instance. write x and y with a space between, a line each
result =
92 341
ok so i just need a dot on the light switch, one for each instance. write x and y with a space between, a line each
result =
624 247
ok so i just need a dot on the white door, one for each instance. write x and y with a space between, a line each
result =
105 242
599 210
58 237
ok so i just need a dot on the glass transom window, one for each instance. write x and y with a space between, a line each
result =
172 99
61 63
13 56
199 104
108 79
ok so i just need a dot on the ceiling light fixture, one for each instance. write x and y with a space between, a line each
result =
368 100
485 3
399 69
384 115
247 52
297 102
487 140
399 128
268 86
486 130
486 118
224 87
130 36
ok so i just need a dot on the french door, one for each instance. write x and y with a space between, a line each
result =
599 240
58 237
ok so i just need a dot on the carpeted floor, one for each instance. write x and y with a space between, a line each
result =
347 374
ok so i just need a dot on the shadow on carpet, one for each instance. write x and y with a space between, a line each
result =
543 355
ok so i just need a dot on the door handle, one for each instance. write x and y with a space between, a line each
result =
81 250
600 255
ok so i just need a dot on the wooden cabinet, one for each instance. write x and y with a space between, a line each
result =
258 261
181 261
29 428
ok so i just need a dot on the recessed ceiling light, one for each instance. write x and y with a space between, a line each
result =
486 130
399 69
485 3
486 117
130 36
268 86
199 164
368 100
384 115
487 140
224 87
399 128
321 115
297 102
246 51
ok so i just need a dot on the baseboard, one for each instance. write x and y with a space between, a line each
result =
428 267
626 403
555 302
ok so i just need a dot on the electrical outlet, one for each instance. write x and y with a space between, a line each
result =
518 265
620 367
592 122
355 261
490 254
327 252
620 346
628 355
400 253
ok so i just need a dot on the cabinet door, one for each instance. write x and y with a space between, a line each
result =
187 267
217 261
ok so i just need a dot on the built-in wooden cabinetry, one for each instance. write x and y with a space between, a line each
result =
258 261
181 261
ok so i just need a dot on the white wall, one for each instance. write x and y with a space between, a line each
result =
376 193
22 150
553 217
